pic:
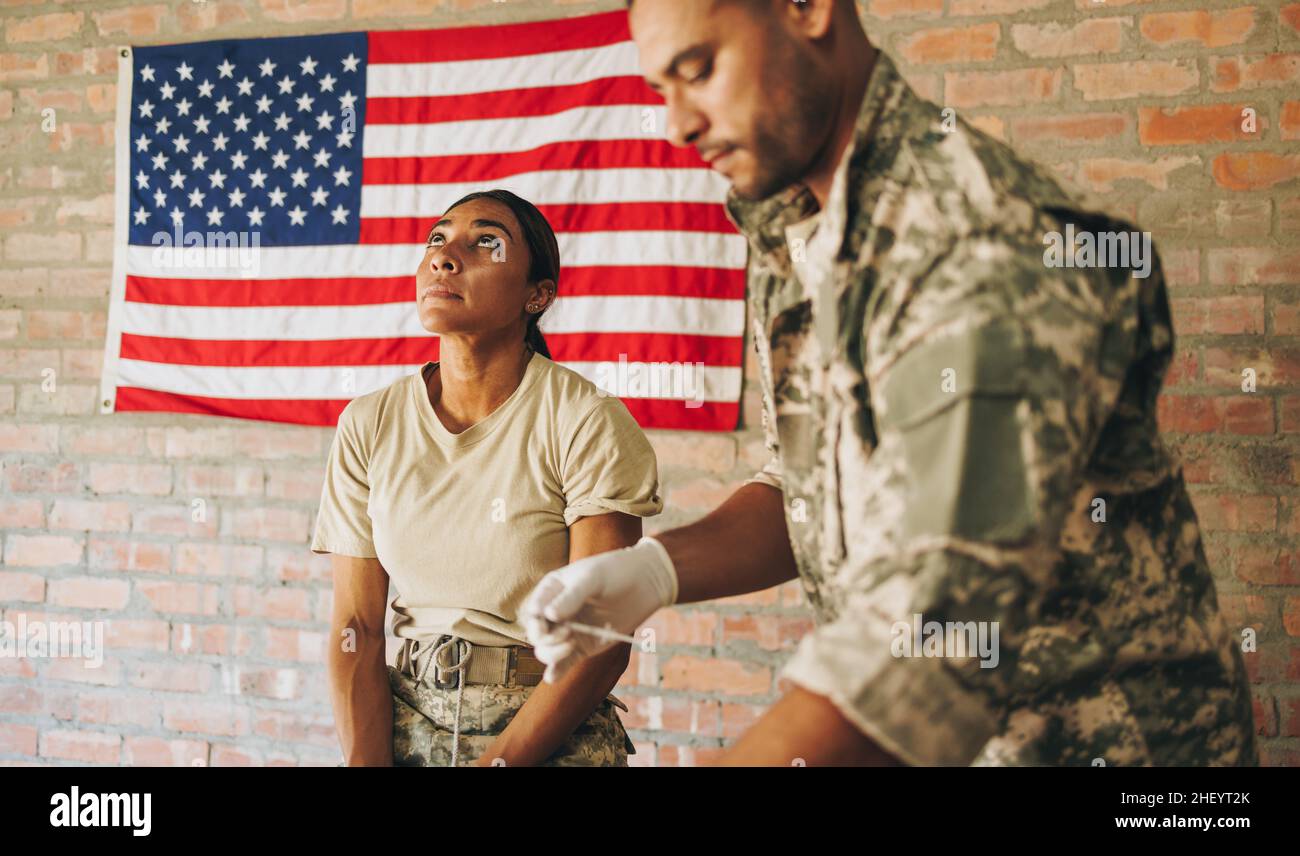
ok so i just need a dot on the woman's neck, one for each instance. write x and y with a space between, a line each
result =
473 381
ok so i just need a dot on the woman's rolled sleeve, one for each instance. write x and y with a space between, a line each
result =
610 465
343 522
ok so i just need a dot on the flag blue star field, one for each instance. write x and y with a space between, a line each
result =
274 197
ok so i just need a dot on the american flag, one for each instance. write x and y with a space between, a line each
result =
274 196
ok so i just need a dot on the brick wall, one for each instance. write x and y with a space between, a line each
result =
214 629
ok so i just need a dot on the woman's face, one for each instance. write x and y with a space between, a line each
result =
473 277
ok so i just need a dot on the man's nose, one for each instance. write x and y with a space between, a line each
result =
685 124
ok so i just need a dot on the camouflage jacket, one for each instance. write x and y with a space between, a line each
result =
966 434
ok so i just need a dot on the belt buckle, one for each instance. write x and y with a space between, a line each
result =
442 679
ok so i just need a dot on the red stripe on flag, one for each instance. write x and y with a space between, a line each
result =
401 350
509 103
645 348
575 155
397 350
331 291
497 41
322 412
668 415
664 414
716 283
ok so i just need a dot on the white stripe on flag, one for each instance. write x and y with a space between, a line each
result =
552 187
643 380
636 314
416 79
577 249
494 136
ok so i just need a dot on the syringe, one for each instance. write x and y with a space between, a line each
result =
603 632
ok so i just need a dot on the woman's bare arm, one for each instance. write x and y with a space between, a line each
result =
355 652
553 711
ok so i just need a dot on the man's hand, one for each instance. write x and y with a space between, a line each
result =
618 590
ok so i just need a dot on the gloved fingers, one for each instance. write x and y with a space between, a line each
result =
580 584
541 595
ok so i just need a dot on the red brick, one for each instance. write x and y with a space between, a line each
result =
17 739
89 515
715 453
1208 29
287 643
79 440
28 437
226 480
720 676
142 633
42 550
1254 170
131 478
223 718
89 592
118 709
221 639
1199 125
1289 17
175 677
1069 128
290 11
160 752
1236 513
1196 414
993 7
1229 74
1265 714
988 88
270 523
16 586
131 21
1253 266
1112 81
176 519
15 66
976 43
904 8
1101 174
89 747
1092 36
277 604
1289 122
676 626
1267 566
201 17
43 28
124 554
770 632
1218 315
185 598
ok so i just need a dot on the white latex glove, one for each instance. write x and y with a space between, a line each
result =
618 590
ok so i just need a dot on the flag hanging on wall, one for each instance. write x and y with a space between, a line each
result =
274 196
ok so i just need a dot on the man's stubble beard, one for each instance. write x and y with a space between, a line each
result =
784 149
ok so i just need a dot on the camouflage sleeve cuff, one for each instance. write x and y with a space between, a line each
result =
912 707
770 474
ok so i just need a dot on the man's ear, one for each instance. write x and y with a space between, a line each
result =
812 18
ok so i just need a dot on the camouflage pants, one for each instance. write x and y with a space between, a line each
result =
424 717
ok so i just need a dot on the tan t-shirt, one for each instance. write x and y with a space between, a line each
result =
466 524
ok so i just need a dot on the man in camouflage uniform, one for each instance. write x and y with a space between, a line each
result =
960 433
